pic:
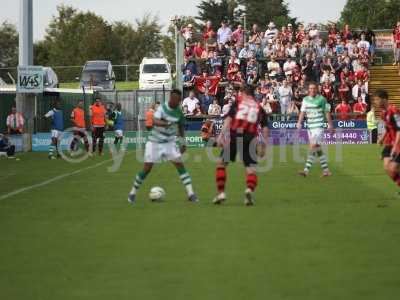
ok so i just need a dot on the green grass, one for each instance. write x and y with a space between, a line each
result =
121 85
77 238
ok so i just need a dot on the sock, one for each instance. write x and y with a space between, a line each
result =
186 180
323 160
309 162
101 144
51 150
251 181
220 178
73 144
86 144
140 177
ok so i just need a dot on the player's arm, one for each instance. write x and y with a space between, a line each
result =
49 114
300 120
329 120
265 134
161 123
181 136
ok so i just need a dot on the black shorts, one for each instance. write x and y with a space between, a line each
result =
81 133
245 145
387 152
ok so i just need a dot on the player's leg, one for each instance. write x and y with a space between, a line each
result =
75 141
228 154
324 162
186 180
391 165
94 139
101 140
53 145
249 156
139 179
83 135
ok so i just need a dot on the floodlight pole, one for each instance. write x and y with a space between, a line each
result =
25 103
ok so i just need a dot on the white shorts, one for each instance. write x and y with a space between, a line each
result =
159 152
119 133
316 136
55 133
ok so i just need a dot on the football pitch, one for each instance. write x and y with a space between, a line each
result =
76 237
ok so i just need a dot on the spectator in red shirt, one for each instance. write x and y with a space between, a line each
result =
362 74
198 50
360 109
327 91
301 34
346 33
343 90
209 32
343 111
238 36
188 52
347 75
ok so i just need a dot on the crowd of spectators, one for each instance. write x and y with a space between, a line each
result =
279 63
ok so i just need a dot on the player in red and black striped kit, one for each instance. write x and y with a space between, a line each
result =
239 135
391 139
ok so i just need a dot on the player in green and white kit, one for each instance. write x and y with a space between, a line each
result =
168 129
316 109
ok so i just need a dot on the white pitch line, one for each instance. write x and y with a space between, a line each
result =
19 191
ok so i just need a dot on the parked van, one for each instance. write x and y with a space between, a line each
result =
154 74
98 75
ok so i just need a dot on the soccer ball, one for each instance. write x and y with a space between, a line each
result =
157 194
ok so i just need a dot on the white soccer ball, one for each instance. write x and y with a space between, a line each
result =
157 194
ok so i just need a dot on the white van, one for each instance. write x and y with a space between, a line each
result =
155 74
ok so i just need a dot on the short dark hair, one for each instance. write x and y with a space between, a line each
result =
383 94
176 92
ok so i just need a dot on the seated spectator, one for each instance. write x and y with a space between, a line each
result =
269 51
188 79
15 122
360 90
198 50
224 33
255 35
214 109
6 146
301 34
190 102
347 75
258 52
273 67
291 51
343 111
360 109
233 69
197 111
328 76
346 33
293 111
314 32
189 65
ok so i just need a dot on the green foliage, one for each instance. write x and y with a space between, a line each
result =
8 45
264 11
376 14
216 11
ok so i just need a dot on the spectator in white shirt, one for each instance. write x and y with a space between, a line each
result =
314 32
363 43
271 33
273 67
190 102
289 66
15 122
360 90
291 51
224 33
285 94
187 32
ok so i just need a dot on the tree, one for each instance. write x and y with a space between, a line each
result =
262 12
8 45
375 14
216 11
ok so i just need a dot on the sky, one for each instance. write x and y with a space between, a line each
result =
308 11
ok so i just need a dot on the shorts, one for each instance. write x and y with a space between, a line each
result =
245 145
160 152
81 132
55 134
119 133
316 136
387 152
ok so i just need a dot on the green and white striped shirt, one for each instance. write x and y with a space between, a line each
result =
315 109
167 134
